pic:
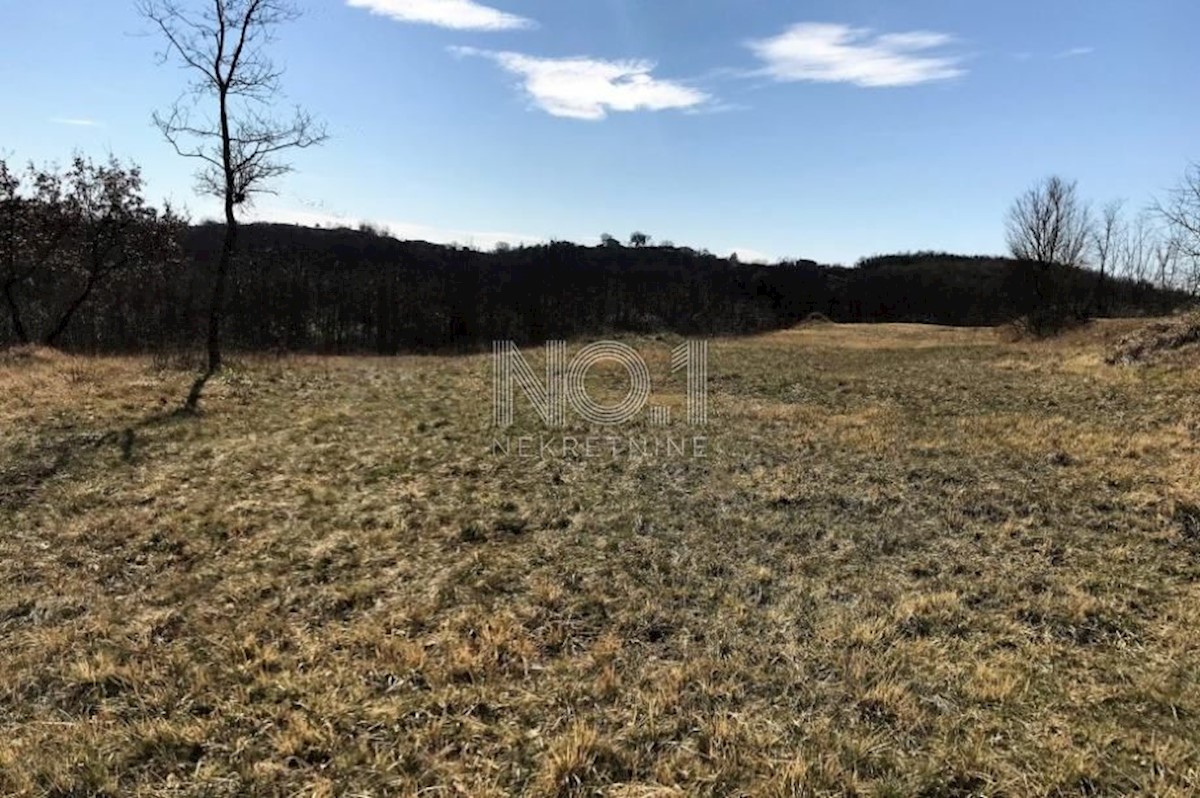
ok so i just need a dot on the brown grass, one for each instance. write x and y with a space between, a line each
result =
917 561
1167 340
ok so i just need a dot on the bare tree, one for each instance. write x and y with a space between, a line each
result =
223 45
1106 238
1167 251
1181 212
1190 266
1137 248
1049 224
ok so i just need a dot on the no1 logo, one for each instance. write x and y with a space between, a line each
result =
566 383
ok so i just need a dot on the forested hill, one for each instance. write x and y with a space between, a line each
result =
342 290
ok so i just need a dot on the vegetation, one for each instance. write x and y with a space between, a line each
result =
1051 225
1181 211
1175 340
917 561
902 559
240 147
362 291
345 291
67 235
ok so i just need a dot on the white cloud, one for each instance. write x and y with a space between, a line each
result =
1075 52
453 14
75 122
590 88
831 53
407 231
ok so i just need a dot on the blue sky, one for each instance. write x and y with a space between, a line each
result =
828 129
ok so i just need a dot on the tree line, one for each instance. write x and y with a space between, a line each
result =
67 236
342 290
1051 224
87 263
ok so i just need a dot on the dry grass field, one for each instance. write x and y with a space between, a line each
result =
915 561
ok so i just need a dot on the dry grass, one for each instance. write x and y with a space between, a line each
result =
1176 339
916 561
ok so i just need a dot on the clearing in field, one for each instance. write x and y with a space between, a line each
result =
915 560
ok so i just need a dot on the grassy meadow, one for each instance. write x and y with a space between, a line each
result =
914 561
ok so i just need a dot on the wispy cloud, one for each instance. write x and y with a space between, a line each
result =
453 14
76 122
591 88
832 53
1076 52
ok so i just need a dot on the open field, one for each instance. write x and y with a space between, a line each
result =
915 561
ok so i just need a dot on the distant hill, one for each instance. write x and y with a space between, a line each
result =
943 288
343 290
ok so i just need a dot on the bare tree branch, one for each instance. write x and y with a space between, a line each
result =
1181 211
1049 224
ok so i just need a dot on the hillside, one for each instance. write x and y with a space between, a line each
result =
343 291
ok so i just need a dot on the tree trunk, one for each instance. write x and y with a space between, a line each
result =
65 319
15 313
217 309
224 265
215 313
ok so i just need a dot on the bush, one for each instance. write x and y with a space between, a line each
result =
1047 322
